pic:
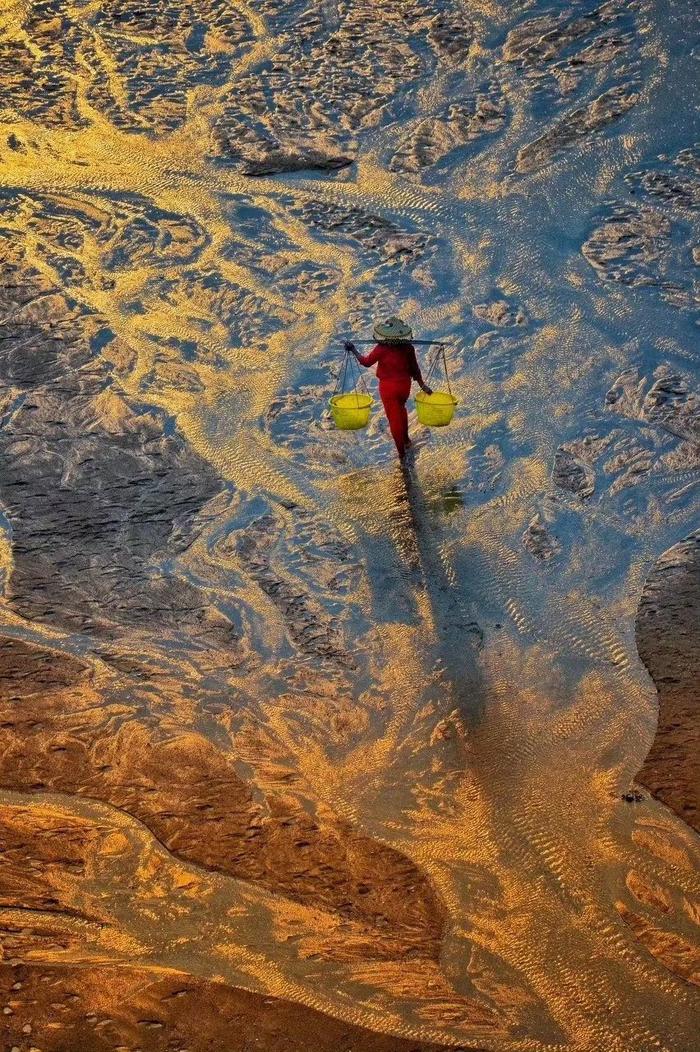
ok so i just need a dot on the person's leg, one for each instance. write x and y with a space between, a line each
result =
392 408
404 422
403 395
394 402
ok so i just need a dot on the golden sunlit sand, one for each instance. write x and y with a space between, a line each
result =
302 752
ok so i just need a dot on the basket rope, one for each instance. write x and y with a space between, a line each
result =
350 366
439 357
350 370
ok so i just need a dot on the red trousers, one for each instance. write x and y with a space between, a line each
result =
394 395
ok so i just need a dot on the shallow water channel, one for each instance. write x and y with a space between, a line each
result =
282 716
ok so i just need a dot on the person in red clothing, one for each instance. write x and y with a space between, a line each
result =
397 368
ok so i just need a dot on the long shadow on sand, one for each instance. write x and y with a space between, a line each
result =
457 634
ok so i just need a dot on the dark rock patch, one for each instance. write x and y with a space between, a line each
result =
581 123
540 40
650 242
433 139
668 639
572 473
539 542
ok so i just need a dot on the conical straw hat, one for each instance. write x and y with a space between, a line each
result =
393 330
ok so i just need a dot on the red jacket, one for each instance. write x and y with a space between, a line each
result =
395 361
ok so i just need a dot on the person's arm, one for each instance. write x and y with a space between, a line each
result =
415 371
364 359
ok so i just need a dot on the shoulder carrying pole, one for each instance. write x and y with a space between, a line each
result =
419 343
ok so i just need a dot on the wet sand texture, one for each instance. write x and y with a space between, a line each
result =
668 637
100 1009
298 752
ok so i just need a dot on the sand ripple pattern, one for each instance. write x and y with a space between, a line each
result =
274 715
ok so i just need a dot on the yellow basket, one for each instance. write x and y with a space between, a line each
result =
351 411
436 409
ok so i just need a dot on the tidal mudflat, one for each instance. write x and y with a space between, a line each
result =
301 753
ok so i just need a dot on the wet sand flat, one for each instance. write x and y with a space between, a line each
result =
301 751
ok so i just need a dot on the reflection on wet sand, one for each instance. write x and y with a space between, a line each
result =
300 748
